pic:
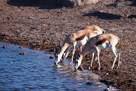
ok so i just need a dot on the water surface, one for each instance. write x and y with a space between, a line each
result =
36 72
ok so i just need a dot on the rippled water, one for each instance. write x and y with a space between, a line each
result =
36 72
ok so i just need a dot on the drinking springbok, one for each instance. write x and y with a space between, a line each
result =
100 42
78 38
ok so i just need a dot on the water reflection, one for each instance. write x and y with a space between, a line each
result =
81 80
35 71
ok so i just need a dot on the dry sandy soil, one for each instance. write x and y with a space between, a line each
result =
41 27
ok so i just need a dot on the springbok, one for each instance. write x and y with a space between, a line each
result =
78 38
97 43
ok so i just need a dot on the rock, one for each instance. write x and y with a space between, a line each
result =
80 2
21 47
67 3
51 57
4 47
22 53
89 83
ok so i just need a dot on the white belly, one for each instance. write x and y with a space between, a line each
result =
82 42
103 46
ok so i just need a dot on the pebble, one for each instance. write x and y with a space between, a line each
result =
22 53
21 47
51 57
107 73
89 83
4 47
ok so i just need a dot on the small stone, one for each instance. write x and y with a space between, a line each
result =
30 17
107 73
21 47
89 83
51 57
4 47
22 53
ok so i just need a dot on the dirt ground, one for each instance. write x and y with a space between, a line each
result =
41 27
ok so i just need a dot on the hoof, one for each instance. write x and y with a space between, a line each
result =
55 63
80 68
99 68
89 68
112 68
75 70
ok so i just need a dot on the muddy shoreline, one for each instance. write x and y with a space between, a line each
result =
41 28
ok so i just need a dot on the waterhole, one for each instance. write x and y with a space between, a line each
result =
35 71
